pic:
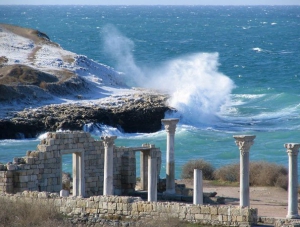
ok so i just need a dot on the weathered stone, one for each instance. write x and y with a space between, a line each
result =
130 116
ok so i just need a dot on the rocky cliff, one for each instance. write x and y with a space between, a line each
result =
46 88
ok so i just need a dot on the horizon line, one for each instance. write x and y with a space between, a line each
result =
150 5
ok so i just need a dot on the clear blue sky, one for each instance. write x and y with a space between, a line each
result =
150 2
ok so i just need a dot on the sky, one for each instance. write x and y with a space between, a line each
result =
150 2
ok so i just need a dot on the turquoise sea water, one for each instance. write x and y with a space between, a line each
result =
232 70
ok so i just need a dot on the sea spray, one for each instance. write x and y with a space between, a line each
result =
120 47
197 89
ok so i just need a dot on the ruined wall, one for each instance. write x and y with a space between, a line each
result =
41 170
98 208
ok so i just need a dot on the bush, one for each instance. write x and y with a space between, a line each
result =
229 173
66 181
188 169
268 174
261 174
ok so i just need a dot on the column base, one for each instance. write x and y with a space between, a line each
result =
293 216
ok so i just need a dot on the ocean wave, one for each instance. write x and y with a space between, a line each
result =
248 96
257 49
198 89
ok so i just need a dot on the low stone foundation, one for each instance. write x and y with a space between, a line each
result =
279 222
95 209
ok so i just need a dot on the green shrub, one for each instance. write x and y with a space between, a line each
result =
188 169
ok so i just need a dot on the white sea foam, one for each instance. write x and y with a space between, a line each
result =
257 49
249 96
102 130
197 88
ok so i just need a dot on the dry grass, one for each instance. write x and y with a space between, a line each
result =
268 174
22 74
188 169
230 173
35 214
261 174
28 214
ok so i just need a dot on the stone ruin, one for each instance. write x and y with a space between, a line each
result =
101 168
41 170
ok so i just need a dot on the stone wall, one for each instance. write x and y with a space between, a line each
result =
41 170
95 209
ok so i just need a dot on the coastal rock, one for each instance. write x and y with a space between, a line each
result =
128 114
46 88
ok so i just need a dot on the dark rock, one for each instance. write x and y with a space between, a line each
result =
130 116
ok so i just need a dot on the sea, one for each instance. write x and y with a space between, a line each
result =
230 70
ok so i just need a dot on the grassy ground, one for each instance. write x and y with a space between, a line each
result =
24 214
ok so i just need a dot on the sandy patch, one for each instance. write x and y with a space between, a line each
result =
270 201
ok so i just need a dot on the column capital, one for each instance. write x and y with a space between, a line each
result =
170 124
292 148
244 142
108 140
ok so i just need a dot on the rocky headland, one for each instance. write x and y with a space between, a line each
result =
46 88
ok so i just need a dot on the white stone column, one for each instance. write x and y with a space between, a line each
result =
244 142
144 167
293 150
78 174
198 187
108 187
170 127
152 176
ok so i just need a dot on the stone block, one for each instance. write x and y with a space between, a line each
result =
224 218
11 167
32 185
239 218
205 209
199 216
51 142
33 177
57 187
41 155
110 211
23 179
214 210
195 210
30 160
112 206
64 193
49 155
50 188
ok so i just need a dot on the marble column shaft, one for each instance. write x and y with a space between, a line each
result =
170 127
244 142
108 142
152 176
293 150
198 187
